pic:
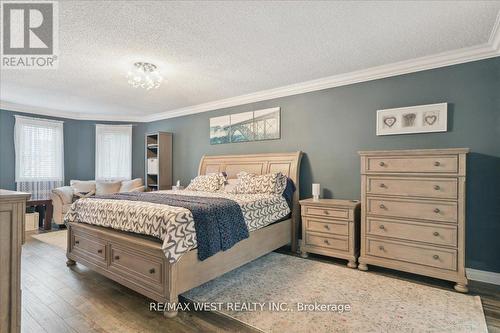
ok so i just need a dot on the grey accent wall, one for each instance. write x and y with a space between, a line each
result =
331 125
79 148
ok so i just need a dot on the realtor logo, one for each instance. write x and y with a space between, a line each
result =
29 34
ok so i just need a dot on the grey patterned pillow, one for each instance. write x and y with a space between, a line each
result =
207 183
272 183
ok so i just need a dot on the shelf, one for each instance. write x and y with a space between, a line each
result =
153 185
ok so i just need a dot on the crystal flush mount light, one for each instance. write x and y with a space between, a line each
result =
144 75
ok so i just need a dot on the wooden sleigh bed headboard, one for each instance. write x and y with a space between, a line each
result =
287 163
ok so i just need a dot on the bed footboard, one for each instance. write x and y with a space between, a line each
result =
141 265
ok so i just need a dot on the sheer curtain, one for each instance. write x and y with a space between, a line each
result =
39 151
113 152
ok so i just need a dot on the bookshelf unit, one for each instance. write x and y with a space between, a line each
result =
158 161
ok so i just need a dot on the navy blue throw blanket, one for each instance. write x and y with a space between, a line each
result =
219 222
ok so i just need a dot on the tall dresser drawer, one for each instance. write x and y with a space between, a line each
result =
413 164
413 187
90 248
434 211
415 231
429 256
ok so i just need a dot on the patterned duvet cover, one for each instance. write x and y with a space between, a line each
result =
173 225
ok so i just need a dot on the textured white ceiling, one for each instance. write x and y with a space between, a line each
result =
209 51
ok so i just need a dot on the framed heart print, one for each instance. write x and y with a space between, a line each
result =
413 119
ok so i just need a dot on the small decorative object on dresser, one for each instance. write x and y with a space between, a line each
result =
331 227
158 161
413 212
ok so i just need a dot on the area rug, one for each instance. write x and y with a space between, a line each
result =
282 293
56 238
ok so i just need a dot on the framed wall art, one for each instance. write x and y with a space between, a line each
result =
413 119
246 126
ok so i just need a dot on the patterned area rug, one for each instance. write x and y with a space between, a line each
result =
56 238
377 303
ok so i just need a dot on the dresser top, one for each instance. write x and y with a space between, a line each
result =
444 151
330 202
6 194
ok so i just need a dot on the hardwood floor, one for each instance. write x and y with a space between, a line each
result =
61 299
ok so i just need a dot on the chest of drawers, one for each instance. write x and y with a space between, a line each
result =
413 212
331 227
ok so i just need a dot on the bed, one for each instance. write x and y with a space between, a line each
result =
141 263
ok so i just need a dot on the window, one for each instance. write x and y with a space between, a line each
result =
113 152
39 151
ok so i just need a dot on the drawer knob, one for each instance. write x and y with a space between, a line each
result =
435 233
327 227
382 227
99 251
326 241
152 271
381 248
326 212
382 206
435 257
77 242
381 164
383 185
117 257
437 163
436 210
437 187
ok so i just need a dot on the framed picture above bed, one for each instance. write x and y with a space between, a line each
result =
246 126
413 119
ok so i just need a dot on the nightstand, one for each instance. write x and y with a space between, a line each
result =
331 227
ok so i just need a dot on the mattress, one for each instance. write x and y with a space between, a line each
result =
174 226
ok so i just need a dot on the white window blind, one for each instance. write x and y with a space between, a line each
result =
39 149
113 152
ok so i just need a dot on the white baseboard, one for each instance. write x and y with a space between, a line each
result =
483 276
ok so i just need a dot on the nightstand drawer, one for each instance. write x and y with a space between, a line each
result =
429 256
327 241
426 210
413 187
327 226
415 231
327 212
408 164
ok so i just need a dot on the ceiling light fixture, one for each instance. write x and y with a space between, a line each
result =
144 75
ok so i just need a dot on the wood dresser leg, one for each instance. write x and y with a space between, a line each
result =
70 262
362 266
461 288
304 254
352 264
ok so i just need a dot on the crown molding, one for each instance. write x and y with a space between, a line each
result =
487 50
450 58
9 106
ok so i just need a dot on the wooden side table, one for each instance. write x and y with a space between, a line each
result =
47 203
331 227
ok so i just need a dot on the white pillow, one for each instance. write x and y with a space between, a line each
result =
129 185
271 183
231 185
83 186
107 187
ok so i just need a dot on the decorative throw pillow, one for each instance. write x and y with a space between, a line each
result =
107 187
129 185
207 183
271 183
82 186
80 195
